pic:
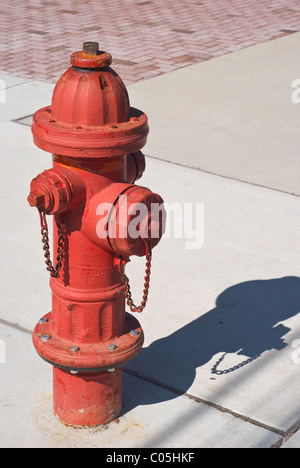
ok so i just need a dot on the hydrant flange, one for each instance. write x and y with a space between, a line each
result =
109 142
90 357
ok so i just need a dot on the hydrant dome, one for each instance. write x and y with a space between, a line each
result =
90 98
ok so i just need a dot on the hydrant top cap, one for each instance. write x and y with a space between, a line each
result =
91 57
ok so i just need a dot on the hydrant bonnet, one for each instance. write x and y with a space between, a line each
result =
90 114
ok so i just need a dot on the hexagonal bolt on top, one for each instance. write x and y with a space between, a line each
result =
91 47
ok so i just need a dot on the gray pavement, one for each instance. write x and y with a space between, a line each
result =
219 367
231 116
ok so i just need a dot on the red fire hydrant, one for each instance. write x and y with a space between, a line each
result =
101 218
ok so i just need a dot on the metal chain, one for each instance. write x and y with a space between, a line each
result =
54 272
215 370
128 294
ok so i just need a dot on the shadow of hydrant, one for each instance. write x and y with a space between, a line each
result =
245 321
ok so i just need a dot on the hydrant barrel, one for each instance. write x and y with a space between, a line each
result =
100 219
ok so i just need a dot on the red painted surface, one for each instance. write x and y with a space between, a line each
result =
87 399
91 132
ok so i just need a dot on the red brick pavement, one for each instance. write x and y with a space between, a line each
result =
146 38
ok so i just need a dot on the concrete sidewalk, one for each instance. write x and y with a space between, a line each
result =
219 364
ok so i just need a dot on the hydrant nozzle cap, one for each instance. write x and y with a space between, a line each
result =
91 56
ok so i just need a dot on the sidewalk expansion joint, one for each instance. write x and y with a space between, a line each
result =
220 408
20 121
292 431
16 326
15 85
195 168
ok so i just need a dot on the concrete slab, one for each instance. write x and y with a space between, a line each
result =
9 80
232 115
228 313
24 99
27 419
293 442
20 240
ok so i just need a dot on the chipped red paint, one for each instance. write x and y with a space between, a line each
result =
83 60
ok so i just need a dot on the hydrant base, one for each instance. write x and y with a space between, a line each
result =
87 399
